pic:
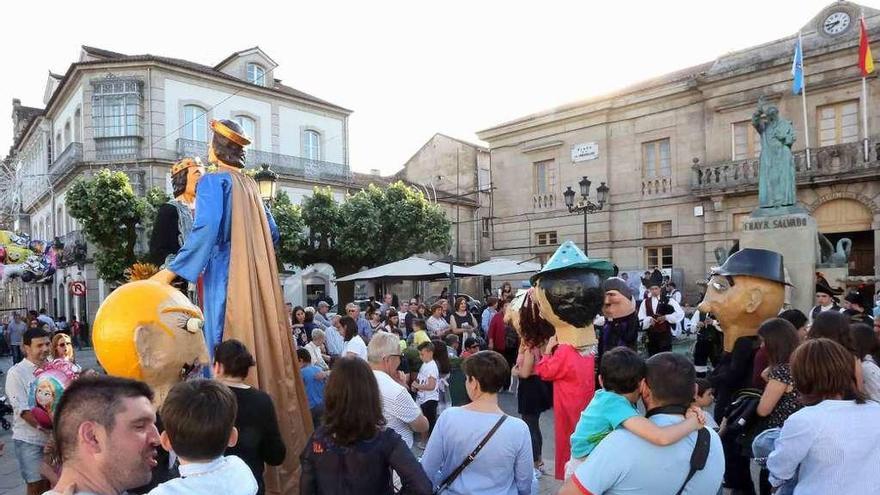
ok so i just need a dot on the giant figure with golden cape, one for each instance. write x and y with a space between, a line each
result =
232 245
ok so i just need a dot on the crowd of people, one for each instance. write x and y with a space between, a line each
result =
795 410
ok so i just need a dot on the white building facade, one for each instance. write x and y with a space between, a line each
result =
141 113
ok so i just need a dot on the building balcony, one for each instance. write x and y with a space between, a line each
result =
828 164
544 201
67 160
295 166
74 250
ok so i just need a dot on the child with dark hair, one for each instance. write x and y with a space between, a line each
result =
199 420
704 398
313 379
426 387
620 375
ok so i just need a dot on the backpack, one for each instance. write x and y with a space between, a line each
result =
511 339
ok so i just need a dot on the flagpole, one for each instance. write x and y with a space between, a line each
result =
865 114
804 102
864 87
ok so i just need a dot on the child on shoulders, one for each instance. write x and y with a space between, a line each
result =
621 375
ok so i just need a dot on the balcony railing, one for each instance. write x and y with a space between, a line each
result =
281 164
117 148
544 201
828 163
67 160
656 186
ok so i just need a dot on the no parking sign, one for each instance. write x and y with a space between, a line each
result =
78 288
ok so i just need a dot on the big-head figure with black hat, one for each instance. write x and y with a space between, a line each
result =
232 246
557 314
745 291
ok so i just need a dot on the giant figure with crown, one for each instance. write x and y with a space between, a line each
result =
147 330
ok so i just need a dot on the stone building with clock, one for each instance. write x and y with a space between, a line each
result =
680 156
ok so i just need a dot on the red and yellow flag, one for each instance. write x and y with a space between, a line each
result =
866 61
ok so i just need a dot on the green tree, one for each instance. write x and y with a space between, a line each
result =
374 226
111 215
288 217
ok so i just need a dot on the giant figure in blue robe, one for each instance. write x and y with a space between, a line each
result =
232 246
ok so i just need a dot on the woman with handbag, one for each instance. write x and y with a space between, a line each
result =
455 458
779 399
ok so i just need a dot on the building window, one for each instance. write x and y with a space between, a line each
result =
116 108
77 126
546 238
67 136
486 226
838 123
658 256
256 74
195 123
746 141
653 230
544 177
312 145
655 157
249 126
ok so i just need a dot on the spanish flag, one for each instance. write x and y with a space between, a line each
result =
866 61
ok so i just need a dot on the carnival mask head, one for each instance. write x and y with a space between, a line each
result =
149 331
52 378
185 174
227 145
568 293
618 298
745 291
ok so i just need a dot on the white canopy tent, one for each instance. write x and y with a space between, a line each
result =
502 266
412 268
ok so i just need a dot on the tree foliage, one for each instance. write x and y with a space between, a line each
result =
288 217
111 215
374 226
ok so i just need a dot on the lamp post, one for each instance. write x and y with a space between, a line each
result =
266 181
586 206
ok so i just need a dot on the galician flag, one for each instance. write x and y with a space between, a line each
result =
866 61
797 68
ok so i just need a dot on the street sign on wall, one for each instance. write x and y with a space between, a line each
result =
78 288
584 151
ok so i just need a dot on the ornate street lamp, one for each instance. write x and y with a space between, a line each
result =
586 206
266 181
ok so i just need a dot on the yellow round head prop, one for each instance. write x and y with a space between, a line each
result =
149 331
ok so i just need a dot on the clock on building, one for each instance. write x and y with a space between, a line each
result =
836 23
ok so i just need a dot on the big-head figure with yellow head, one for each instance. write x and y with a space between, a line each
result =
745 291
149 331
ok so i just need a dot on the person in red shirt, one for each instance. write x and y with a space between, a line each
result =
497 329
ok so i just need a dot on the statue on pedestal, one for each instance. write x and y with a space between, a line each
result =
776 179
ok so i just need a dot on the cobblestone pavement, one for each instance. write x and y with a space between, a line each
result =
12 484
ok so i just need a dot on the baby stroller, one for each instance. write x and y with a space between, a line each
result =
5 409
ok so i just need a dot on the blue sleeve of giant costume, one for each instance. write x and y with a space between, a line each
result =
273 227
196 251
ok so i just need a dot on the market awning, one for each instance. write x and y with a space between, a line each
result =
412 268
502 266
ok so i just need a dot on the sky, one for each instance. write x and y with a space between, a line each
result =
408 69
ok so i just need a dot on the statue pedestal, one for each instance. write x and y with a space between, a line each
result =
793 236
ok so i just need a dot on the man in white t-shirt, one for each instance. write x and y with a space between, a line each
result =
400 410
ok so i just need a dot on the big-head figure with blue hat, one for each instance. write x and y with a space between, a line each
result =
557 314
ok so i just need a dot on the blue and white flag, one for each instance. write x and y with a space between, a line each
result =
797 68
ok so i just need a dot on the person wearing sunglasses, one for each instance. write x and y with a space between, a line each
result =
471 347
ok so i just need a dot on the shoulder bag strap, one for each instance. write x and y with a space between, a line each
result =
470 458
698 457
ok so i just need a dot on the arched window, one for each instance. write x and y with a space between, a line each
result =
249 126
77 126
59 145
256 74
67 136
195 123
312 145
